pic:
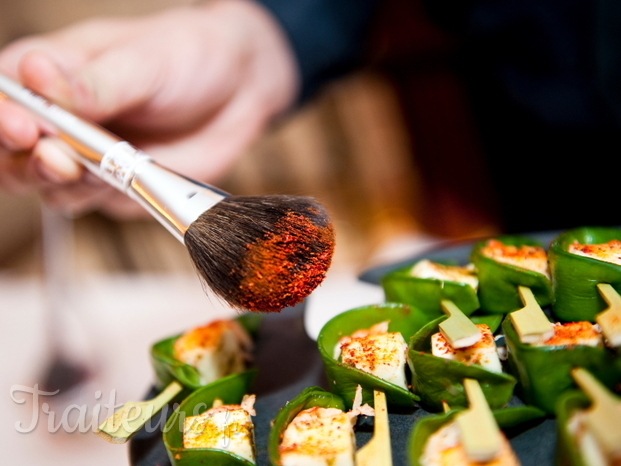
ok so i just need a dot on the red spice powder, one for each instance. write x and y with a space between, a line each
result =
285 266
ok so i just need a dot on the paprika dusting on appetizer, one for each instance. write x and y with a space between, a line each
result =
376 351
455 273
320 436
574 333
528 257
607 252
223 427
218 349
274 277
445 448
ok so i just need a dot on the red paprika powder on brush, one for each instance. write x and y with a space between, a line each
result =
269 263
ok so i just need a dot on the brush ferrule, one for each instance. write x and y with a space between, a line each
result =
174 200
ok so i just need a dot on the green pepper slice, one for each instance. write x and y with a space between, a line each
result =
575 277
427 293
308 398
168 368
510 420
567 452
436 379
498 282
544 372
230 390
344 379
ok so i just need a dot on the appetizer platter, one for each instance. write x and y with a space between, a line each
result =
514 338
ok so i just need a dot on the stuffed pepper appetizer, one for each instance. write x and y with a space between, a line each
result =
469 437
583 261
544 368
214 425
426 283
223 427
438 367
588 424
205 354
367 347
506 263
315 429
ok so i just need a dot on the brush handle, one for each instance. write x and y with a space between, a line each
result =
90 140
174 200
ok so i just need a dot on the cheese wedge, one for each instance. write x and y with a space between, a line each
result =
378 352
319 437
453 273
218 349
483 353
444 448
534 258
225 427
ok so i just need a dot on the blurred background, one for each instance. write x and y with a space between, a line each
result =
368 146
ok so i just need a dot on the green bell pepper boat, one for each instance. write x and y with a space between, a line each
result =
575 277
544 372
498 282
309 398
436 380
230 390
567 452
511 420
344 379
426 294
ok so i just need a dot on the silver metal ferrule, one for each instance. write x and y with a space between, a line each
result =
174 200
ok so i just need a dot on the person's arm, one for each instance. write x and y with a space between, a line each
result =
191 86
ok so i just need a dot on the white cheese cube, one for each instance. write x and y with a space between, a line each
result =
575 333
216 350
453 273
383 355
319 437
482 353
226 427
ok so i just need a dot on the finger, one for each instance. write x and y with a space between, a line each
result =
208 153
54 161
18 130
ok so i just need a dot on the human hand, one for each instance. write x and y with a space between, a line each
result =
192 87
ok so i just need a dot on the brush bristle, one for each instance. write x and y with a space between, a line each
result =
262 253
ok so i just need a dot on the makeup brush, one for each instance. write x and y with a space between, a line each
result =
259 253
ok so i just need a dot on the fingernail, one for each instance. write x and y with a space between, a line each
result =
54 162
46 173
